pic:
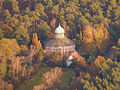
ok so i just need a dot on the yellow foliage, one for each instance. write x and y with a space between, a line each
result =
118 43
99 60
96 37
7 30
52 76
9 47
35 41
9 87
24 47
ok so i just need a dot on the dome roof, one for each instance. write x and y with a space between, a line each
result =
59 42
59 29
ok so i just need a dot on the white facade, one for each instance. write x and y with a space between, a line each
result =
67 46
63 49
59 35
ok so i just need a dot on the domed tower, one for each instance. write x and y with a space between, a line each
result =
59 32
60 43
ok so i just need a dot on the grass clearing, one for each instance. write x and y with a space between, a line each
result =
36 79
65 78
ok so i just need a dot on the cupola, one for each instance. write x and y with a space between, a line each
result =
59 32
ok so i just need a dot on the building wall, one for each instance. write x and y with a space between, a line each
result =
62 49
59 35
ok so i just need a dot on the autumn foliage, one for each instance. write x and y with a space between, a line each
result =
80 60
96 37
49 78
35 41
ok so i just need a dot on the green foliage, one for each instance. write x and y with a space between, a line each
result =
15 6
96 37
14 22
118 43
55 57
117 50
43 30
1 34
9 48
40 8
83 20
21 18
110 72
7 31
10 74
22 34
65 78
36 16
7 15
2 70
107 77
41 54
92 55
55 10
91 59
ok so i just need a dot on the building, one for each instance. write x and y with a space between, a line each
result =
60 43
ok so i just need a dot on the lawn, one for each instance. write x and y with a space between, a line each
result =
67 75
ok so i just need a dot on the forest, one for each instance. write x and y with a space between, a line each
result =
94 26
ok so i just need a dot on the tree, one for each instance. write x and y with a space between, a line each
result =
29 3
84 2
109 71
71 8
50 77
95 7
36 42
92 56
40 8
66 28
117 50
7 16
41 54
61 14
35 49
55 10
27 11
49 3
2 70
96 37
1 34
43 30
15 6
53 23
34 18
70 17
54 57
22 34
1 4
9 48
106 77
61 1
113 3
26 19
83 20
14 22
6 31
16 65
